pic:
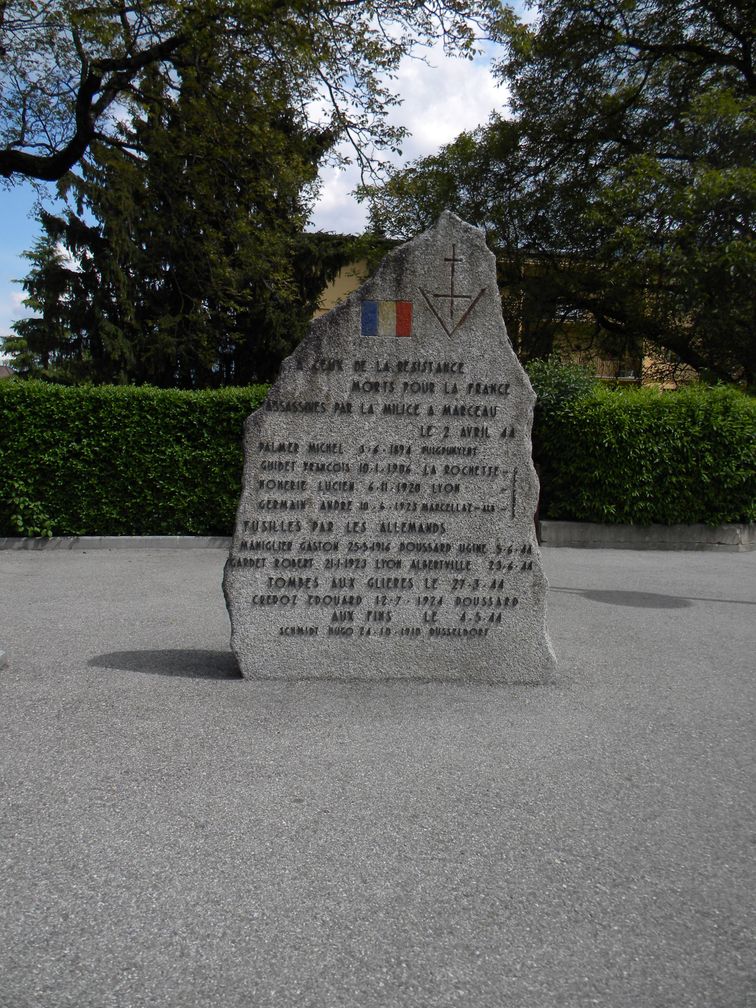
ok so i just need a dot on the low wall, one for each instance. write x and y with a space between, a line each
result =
586 535
117 542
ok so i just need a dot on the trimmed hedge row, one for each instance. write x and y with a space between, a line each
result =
143 461
120 460
639 456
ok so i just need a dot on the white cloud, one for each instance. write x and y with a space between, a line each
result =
336 209
11 309
442 98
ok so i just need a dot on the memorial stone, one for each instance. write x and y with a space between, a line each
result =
385 528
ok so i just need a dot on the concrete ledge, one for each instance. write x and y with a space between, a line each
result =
727 538
585 535
117 542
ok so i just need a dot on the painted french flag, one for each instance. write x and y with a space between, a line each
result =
387 318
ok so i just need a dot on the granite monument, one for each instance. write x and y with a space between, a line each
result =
385 527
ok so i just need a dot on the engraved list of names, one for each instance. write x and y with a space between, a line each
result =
385 527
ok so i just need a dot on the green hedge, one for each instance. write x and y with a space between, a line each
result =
120 460
142 461
640 456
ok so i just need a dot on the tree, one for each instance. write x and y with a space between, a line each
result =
196 129
67 68
185 263
624 178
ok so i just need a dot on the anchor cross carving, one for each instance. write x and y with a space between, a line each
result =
452 297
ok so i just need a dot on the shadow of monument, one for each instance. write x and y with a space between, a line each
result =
199 664
189 664
644 600
635 599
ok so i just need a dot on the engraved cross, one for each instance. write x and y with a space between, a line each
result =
450 326
452 296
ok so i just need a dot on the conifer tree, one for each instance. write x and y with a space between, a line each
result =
180 243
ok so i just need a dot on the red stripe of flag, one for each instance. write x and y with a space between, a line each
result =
403 318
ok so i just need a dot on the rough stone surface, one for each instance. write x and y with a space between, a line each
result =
385 528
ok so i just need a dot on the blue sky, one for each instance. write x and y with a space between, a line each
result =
18 230
440 100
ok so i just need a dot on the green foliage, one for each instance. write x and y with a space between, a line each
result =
26 515
557 382
120 461
68 67
143 461
641 456
180 267
622 192
179 259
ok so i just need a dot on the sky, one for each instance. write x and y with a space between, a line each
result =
440 100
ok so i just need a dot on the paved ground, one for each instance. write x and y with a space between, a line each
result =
174 836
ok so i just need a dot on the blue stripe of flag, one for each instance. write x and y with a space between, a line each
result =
369 318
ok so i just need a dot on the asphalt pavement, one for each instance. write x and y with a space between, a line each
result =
172 835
